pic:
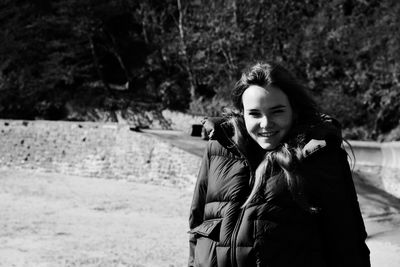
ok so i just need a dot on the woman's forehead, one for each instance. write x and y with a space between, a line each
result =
268 97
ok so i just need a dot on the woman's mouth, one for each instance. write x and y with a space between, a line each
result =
267 134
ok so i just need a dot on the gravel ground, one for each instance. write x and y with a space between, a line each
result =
59 220
62 220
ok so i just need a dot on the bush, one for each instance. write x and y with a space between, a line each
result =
356 133
208 107
347 109
174 96
393 135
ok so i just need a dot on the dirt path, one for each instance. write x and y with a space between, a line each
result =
381 212
58 220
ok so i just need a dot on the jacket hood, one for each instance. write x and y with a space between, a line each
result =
219 129
325 128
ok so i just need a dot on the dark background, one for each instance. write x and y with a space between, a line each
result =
60 59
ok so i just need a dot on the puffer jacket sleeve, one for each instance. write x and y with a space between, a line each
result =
198 202
340 222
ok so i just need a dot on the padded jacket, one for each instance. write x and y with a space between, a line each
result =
274 230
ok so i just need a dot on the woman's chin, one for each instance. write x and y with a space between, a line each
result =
267 145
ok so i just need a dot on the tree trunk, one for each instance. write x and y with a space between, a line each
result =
142 13
97 65
234 8
114 51
122 65
184 51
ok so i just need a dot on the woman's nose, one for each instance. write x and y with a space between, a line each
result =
264 122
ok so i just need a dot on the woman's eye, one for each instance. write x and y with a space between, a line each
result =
254 114
278 111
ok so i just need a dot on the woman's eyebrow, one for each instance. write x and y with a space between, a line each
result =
277 107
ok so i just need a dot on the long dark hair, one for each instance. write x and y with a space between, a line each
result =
283 160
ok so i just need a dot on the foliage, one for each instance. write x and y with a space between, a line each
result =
188 54
211 107
173 96
356 133
393 135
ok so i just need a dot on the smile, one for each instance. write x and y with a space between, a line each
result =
267 134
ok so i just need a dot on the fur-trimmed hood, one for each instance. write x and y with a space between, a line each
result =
311 137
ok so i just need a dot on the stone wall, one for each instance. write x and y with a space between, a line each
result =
112 150
107 150
382 158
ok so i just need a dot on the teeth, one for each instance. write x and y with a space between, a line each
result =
268 134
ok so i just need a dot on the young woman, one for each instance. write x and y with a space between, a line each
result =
275 187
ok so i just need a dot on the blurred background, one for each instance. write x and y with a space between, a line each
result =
84 60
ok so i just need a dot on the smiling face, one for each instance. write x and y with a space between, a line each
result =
268 115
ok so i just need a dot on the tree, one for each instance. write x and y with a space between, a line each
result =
178 52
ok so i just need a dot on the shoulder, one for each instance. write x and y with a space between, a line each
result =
218 148
214 147
324 158
324 135
313 146
322 149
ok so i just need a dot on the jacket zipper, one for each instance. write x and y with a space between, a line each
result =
237 225
239 221
234 239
